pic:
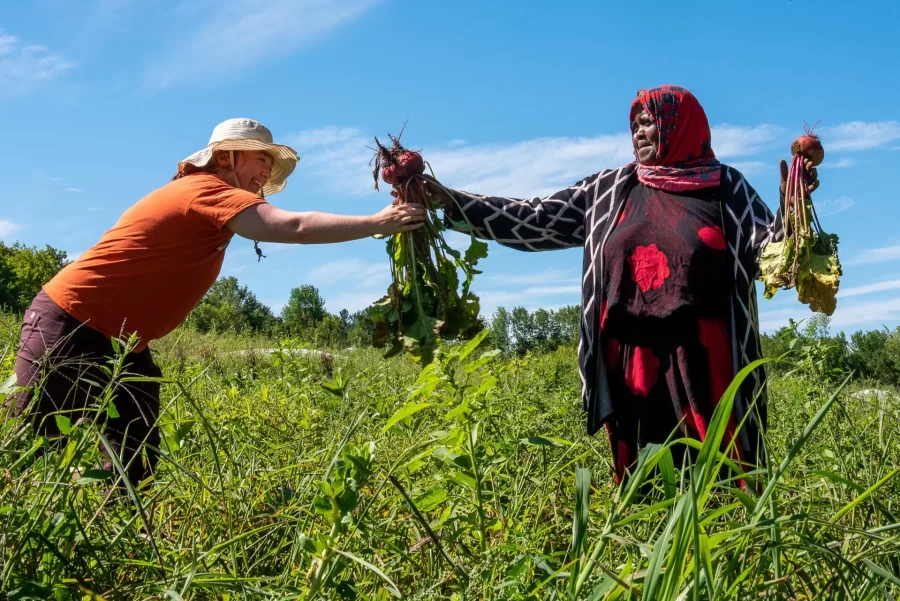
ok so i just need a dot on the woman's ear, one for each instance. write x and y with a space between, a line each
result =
222 160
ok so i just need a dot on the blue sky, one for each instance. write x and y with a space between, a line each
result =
101 98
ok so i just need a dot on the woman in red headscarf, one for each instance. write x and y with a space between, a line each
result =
671 251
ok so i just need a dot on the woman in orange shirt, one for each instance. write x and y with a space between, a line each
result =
146 274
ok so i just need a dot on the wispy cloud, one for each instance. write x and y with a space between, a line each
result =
870 288
527 168
846 316
238 34
548 289
365 274
336 157
25 66
546 165
875 255
825 208
741 140
551 276
860 135
752 167
552 290
8 228
351 284
843 163
72 190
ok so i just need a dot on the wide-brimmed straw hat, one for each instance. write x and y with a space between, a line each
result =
247 134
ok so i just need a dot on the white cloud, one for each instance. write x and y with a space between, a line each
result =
527 168
552 276
870 288
25 67
845 316
557 285
841 163
741 140
72 190
363 274
552 290
338 157
530 168
752 167
830 207
234 35
859 135
867 313
545 165
8 228
875 255
351 284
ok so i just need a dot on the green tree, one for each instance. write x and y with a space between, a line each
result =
24 270
330 331
568 322
522 327
868 357
360 328
230 307
304 310
544 335
499 337
9 294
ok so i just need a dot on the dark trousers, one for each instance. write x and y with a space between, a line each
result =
60 363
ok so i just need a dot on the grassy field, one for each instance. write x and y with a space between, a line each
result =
354 477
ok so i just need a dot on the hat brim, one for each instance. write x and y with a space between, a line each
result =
285 159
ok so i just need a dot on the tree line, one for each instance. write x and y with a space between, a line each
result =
229 307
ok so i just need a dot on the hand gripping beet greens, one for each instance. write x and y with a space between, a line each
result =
424 302
807 257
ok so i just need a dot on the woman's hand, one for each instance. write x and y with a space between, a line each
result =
438 193
396 218
812 176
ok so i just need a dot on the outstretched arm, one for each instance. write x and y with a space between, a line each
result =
540 223
266 223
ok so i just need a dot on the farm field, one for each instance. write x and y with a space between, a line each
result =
347 476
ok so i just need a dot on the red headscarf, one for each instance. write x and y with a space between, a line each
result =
685 159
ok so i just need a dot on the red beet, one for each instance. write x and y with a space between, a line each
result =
809 146
402 166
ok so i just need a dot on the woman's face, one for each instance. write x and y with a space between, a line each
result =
645 137
251 170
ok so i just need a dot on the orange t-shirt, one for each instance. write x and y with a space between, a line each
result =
148 272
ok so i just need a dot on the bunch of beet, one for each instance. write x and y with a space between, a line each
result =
424 303
807 257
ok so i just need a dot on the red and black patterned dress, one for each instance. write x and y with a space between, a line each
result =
664 319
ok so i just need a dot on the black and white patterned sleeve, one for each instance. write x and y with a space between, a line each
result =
761 225
536 224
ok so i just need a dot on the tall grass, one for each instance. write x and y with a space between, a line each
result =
352 477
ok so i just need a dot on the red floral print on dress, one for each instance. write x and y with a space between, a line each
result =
642 371
649 267
713 237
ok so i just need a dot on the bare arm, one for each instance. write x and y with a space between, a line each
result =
266 223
